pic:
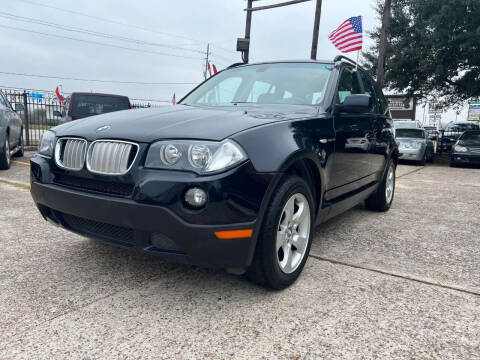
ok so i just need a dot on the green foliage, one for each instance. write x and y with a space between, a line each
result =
433 49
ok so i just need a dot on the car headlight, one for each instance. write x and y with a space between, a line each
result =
47 144
459 148
202 157
416 145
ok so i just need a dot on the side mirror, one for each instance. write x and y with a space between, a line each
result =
19 107
57 113
356 104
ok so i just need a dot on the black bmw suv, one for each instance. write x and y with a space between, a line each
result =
236 175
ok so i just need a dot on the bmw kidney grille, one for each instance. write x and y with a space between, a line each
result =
108 157
111 157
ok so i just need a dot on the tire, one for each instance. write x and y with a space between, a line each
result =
5 159
271 266
20 151
430 157
381 200
423 162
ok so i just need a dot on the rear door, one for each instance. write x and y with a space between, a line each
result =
354 141
383 131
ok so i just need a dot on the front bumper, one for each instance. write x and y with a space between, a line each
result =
411 154
465 158
153 219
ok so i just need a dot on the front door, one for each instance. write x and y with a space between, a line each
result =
354 141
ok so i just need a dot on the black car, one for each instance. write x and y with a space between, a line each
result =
80 105
467 149
452 133
236 176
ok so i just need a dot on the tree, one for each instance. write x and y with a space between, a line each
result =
433 49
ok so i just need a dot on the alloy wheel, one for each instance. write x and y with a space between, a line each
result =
390 184
293 233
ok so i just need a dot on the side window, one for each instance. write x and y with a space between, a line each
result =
369 87
348 84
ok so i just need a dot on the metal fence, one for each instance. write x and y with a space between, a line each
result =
38 110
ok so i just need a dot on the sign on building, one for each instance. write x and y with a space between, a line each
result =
435 108
474 110
402 107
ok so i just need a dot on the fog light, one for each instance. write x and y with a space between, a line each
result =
196 197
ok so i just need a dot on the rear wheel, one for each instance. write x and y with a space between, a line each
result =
382 199
5 155
286 236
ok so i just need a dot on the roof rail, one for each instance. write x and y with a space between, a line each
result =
236 64
347 59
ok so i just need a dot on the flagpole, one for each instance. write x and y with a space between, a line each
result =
358 51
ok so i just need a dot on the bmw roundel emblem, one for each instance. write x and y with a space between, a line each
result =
103 128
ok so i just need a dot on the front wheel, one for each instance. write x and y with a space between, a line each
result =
286 236
382 199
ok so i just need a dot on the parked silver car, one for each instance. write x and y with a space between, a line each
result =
11 133
414 145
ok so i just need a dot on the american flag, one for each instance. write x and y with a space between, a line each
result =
348 37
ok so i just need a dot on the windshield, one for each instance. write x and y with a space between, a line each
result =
98 104
471 136
281 83
404 124
410 133
461 127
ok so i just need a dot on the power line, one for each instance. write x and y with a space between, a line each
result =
224 58
98 43
97 80
112 21
90 32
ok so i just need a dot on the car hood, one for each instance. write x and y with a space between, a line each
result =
181 122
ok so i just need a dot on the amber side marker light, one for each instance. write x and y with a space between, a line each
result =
234 234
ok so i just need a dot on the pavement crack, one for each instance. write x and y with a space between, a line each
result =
411 172
399 276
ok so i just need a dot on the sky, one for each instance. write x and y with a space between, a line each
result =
166 41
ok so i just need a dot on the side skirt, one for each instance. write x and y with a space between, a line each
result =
345 202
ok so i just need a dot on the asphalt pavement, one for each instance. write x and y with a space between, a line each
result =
398 285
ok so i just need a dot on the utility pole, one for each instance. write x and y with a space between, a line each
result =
243 44
387 11
316 28
248 27
205 70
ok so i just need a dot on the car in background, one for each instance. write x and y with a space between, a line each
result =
11 133
81 105
414 145
452 133
466 150
407 124
432 132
